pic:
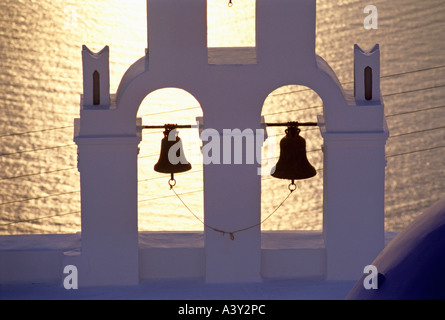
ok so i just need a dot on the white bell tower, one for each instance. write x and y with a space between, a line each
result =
232 97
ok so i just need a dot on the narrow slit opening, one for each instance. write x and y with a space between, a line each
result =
368 83
96 88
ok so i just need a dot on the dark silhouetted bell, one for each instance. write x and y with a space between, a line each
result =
172 161
293 163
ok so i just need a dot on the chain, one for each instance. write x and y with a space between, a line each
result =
232 233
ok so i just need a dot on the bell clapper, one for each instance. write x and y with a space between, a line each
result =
292 186
172 181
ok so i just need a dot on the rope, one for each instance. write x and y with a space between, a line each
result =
232 233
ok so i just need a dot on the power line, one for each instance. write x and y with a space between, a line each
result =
295 110
34 131
163 177
414 90
38 149
185 193
197 171
169 196
314 107
151 132
414 111
163 197
277 94
36 219
71 145
391 94
413 71
384 76
78 191
165 112
384 95
415 151
317 107
37 174
38 198
413 132
185 109
157 154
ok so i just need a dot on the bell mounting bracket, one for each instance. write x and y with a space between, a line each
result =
294 124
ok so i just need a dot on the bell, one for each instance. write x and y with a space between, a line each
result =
293 163
180 163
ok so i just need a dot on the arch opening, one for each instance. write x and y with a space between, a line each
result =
158 207
304 208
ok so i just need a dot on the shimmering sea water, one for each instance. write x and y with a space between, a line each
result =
41 81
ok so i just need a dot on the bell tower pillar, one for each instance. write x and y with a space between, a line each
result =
107 163
354 176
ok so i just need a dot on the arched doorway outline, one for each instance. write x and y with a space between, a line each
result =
152 139
138 82
271 156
